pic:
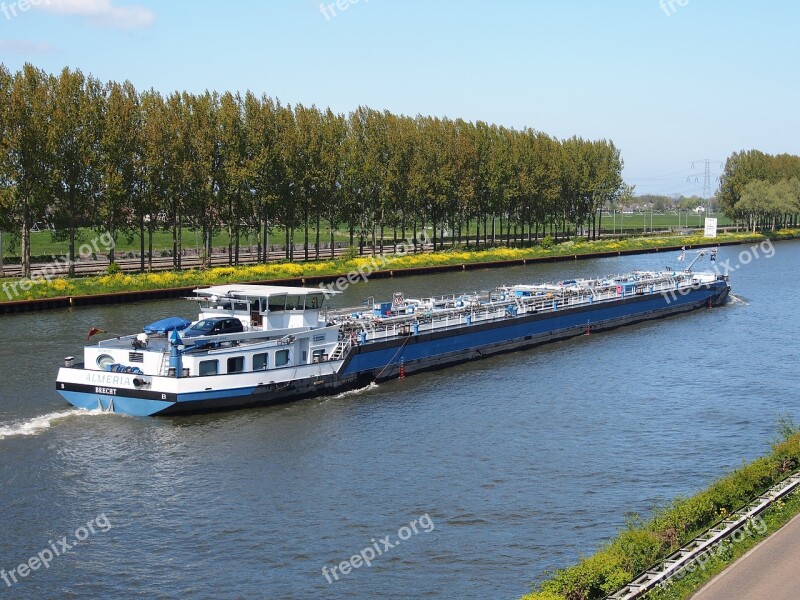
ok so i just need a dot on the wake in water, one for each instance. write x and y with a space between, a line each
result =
737 300
371 386
38 424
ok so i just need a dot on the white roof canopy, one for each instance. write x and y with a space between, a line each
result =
257 291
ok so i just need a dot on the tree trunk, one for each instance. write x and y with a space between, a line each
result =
26 241
208 245
175 242
600 224
236 247
141 244
72 245
316 239
180 244
111 256
305 236
230 242
150 245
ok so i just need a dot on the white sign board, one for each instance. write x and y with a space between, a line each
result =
711 227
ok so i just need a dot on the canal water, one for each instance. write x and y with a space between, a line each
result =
471 482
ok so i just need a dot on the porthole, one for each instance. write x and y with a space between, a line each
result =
104 361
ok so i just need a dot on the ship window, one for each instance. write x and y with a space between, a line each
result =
281 358
277 303
315 300
236 364
209 367
305 357
295 302
260 362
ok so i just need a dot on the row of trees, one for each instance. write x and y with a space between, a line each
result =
761 189
105 156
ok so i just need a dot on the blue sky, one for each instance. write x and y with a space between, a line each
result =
669 81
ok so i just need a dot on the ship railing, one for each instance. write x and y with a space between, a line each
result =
495 311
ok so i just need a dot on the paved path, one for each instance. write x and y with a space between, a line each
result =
770 571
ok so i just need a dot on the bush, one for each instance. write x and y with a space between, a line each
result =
113 269
547 242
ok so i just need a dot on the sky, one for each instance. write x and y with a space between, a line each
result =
671 82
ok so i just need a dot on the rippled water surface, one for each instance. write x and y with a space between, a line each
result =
521 462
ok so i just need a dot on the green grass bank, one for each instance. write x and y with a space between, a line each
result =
39 286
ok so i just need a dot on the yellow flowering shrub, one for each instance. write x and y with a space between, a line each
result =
117 282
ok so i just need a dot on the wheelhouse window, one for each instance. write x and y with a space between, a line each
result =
314 300
260 362
236 364
295 302
281 358
209 367
277 303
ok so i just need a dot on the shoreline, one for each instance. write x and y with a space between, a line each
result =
642 547
124 297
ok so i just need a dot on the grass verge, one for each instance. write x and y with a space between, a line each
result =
41 285
643 544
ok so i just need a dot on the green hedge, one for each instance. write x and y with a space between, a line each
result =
640 546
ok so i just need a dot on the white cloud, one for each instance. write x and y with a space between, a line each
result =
25 47
101 12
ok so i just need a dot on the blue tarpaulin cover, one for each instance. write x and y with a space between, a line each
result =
166 325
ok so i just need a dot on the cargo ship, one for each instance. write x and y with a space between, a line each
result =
263 345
